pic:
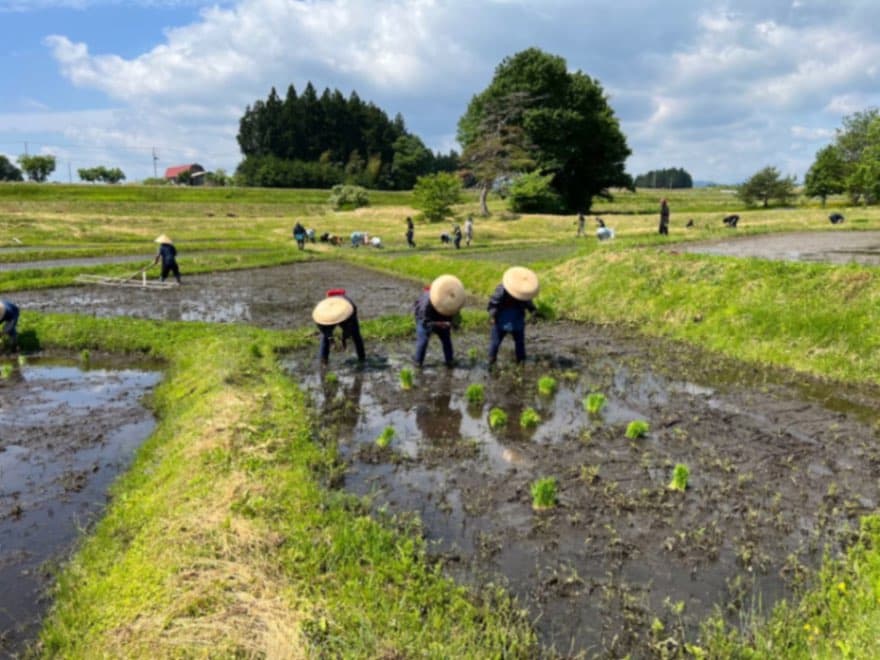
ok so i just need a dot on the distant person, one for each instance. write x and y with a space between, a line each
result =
581 221
456 236
9 318
436 311
507 310
299 235
469 230
690 223
836 218
168 256
410 232
337 309
664 217
731 220
359 238
603 233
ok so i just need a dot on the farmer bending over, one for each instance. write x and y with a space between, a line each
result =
168 255
507 310
436 311
9 317
337 309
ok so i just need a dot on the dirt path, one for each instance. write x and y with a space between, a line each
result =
65 434
779 469
838 247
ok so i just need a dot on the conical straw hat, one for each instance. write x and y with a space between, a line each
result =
332 310
521 283
447 295
163 238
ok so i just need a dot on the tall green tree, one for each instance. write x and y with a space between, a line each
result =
567 125
863 181
673 177
411 160
38 168
827 175
435 194
765 185
8 171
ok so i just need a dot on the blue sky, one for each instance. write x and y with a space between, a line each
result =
721 88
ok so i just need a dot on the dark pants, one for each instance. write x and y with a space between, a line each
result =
457 242
170 268
10 320
423 334
664 227
519 341
409 238
350 330
300 240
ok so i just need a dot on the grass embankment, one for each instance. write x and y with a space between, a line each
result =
223 539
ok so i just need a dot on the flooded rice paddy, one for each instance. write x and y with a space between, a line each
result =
837 247
780 469
66 431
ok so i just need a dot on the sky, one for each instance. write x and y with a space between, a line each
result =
721 88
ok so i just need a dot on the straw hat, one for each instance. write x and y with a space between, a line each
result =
521 283
163 238
331 311
447 295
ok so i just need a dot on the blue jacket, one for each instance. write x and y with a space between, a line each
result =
507 311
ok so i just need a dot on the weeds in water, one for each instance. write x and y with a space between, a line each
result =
636 429
544 493
475 393
529 418
331 378
85 355
22 360
385 437
594 403
497 418
5 370
546 385
679 478
406 378
473 354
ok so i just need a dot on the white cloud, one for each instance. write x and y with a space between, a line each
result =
20 6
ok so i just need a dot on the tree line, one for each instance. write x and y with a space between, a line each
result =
311 141
673 177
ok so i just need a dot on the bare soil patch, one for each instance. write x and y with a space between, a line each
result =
837 247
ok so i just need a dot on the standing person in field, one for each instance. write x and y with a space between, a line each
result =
168 256
456 236
507 310
664 217
436 311
9 318
337 309
469 230
581 222
299 235
410 232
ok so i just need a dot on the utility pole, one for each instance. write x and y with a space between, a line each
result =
69 173
25 148
155 158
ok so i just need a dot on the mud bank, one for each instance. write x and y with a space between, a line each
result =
278 297
781 467
66 432
838 247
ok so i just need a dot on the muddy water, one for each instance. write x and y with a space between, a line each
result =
839 247
65 433
779 470
277 297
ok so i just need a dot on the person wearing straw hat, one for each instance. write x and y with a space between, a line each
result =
436 311
337 309
9 318
507 310
168 255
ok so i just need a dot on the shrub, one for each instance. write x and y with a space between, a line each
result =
533 193
475 393
546 385
636 429
544 493
529 418
344 196
497 418
679 478
435 194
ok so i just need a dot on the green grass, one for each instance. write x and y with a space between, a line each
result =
475 394
594 402
680 475
547 385
385 437
497 418
406 378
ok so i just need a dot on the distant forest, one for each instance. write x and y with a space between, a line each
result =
674 177
317 142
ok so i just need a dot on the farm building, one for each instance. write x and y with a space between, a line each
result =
196 173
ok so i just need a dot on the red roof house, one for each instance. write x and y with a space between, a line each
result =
196 172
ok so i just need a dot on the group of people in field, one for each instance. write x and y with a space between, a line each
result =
437 312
